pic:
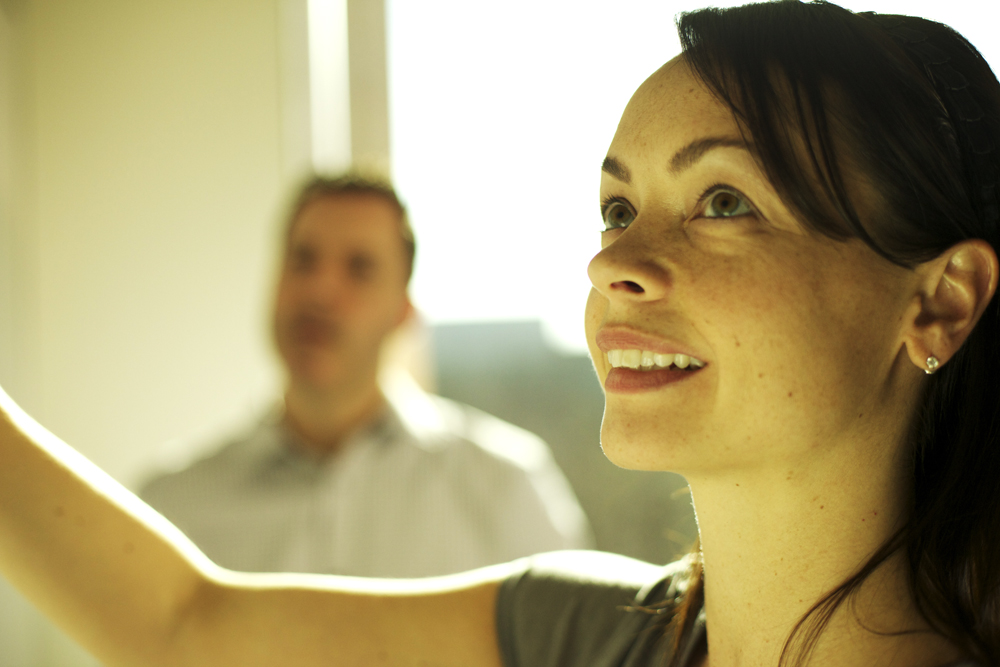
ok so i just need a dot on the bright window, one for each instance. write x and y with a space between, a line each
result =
501 113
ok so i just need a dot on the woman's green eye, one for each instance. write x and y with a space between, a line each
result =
726 204
617 215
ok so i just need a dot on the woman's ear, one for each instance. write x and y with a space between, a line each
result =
955 289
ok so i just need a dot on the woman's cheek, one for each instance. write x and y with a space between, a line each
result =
594 312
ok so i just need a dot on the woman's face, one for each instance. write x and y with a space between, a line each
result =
799 335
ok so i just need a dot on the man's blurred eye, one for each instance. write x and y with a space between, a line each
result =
361 267
301 259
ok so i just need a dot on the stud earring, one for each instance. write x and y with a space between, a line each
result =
932 365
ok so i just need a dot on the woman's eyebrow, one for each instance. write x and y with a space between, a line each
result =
683 159
617 169
686 157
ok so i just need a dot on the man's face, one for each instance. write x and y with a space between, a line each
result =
342 290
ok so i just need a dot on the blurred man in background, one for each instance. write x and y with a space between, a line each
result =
353 476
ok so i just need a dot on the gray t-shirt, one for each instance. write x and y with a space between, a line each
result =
593 609
589 609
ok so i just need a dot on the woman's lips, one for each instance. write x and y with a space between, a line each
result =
617 338
630 381
642 362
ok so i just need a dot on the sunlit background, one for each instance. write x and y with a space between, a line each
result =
501 114
147 149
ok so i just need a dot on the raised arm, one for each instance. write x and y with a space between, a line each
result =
133 590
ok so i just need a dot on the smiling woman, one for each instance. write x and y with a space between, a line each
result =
794 306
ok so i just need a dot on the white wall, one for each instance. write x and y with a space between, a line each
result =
22 632
145 150
17 237
159 171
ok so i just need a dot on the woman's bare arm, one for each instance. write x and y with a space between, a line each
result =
132 589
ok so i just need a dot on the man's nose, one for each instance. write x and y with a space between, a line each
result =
326 285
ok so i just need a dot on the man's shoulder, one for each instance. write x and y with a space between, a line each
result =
492 435
446 428
223 461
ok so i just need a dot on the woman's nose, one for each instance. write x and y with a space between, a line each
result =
626 269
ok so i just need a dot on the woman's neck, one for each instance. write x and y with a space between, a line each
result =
774 542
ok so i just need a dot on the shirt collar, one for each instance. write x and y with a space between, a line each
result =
416 416
274 444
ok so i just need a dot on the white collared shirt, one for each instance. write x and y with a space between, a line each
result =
430 487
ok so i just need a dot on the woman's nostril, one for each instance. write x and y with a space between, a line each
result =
629 285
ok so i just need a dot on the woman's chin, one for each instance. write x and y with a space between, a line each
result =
642 449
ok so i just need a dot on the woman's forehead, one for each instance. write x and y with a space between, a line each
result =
670 109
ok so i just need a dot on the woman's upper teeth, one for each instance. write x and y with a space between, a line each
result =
643 359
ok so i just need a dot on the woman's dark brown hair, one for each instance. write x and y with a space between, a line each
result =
909 108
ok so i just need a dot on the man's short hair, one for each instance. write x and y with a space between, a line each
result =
352 183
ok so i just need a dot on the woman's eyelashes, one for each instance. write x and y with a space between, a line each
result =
616 213
722 201
718 201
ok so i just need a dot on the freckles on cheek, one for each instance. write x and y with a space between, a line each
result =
759 325
742 303
593 313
